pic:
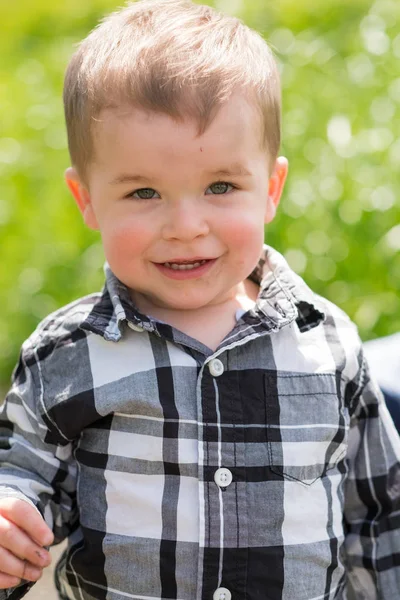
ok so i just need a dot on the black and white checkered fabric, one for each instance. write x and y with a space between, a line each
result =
266 470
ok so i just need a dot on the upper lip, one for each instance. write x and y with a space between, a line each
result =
185 260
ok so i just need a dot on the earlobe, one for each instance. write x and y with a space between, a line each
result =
81 197
276 185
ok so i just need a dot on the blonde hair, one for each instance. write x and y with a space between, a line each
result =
173 57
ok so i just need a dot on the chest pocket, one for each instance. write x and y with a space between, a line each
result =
306 425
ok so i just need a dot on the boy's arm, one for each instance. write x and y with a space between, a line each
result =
372 493
36 460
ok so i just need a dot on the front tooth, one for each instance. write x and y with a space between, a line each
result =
184 267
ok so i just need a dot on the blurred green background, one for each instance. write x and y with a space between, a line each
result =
339 221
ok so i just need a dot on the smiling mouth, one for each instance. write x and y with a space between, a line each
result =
185 266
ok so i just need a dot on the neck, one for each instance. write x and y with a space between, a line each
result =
208 324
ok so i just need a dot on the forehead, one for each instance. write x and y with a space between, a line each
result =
130 133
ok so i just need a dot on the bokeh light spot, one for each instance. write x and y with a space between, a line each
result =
296 259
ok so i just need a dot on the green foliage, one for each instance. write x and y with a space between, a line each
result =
339 218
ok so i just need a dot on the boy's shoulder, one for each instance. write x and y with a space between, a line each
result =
334 314
305 298
339 325
323 327
62 324
315 321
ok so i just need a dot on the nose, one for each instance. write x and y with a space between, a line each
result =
185 221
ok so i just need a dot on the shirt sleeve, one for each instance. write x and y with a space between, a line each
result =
36 461
372 492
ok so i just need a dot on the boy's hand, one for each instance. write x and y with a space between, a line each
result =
23 533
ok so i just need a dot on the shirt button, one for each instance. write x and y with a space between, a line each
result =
222 594
135 327
223 477
216 367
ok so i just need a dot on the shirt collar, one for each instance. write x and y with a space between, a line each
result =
283 298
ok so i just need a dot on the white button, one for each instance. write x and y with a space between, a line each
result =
135 327
216 367
223 477
222 594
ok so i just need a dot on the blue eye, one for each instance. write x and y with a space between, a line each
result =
220 188
144 194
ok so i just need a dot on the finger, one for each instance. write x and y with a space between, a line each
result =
16 541
30 572
8 581
28 519
15 567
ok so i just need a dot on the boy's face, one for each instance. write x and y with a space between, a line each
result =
181 217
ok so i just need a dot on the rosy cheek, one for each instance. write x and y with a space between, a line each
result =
245 237
124 241
245 230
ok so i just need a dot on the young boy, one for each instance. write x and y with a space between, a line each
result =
206 428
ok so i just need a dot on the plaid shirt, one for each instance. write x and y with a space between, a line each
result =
266 470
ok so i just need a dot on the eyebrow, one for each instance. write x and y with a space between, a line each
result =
231 171
126 178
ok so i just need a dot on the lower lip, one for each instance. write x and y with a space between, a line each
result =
187 273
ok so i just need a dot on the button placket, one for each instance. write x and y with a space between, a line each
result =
222 476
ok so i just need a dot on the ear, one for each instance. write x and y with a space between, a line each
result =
82 197
276 185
